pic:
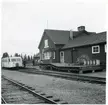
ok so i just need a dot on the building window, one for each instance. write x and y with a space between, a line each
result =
46 43
47 55
95 49
105 48
54 55
42 54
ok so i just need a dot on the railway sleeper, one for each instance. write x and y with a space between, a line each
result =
49 96
45 99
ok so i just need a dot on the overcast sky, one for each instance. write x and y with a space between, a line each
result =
23 23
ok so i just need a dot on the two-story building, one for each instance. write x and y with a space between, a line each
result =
60 46
51 43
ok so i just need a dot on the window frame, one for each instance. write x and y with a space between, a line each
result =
47 55
54 55
46 43
93 49
13 60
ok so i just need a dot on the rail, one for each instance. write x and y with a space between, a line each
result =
29 90
71 76
3 101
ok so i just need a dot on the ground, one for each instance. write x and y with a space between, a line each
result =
73 92
97 74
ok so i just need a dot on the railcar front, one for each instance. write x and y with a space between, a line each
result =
12 62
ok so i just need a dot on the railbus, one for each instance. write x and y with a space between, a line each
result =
11 62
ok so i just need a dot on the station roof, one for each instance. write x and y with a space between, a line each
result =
83 40
58 36
62 36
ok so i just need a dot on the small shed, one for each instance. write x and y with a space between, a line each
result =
36 60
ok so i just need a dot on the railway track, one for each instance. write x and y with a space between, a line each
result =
3 100
17 93
70 76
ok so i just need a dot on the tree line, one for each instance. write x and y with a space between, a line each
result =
25 57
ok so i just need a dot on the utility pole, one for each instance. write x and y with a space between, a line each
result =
47 24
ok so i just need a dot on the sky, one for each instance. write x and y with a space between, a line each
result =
23 22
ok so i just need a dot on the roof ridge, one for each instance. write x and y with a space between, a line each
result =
102 32
58 30
86 40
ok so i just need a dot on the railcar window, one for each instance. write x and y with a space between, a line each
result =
13 60
18 59
4 60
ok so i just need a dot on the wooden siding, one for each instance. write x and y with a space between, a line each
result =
51 45
102 55
67 56
72 55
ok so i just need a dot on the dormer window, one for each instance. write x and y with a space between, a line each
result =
46 43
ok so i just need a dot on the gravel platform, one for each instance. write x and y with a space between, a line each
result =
73 92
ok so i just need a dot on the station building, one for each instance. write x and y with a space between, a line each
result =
74 47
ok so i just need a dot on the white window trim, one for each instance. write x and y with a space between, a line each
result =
54 55
98 49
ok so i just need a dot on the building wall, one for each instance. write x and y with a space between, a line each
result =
58 47
67 56
73 55
51 45
101 55
81 53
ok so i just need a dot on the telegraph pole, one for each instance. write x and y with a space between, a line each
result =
47 24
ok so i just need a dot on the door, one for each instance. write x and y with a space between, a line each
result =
74 56
62 57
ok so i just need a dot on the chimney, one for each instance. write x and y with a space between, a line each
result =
71 34
81 28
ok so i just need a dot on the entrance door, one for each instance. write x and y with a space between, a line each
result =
62 57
